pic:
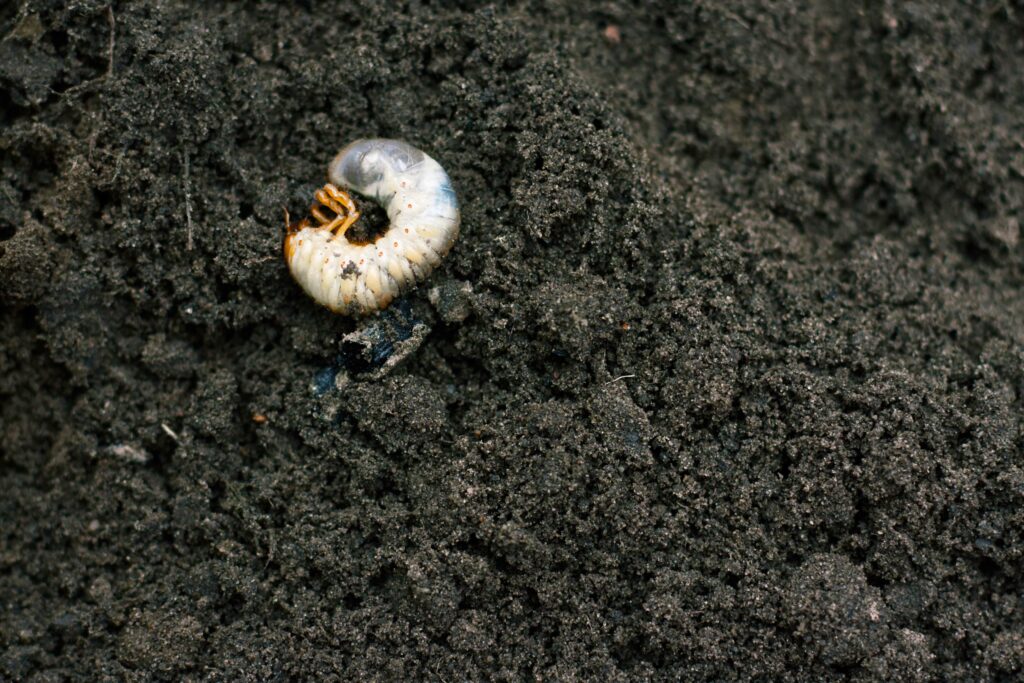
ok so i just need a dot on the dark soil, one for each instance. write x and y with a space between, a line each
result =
722 381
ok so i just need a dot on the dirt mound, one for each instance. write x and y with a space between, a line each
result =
723 379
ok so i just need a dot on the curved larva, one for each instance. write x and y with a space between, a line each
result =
357 279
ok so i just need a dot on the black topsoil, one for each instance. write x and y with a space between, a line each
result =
722 381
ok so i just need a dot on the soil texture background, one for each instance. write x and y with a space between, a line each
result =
722 381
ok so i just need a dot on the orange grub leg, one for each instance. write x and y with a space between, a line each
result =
341 204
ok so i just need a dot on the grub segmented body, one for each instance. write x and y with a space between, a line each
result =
360 278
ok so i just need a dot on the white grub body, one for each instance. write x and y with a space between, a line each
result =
416 193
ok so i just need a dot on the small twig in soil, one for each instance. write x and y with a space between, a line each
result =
110 48
188 201
618 378
732 16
